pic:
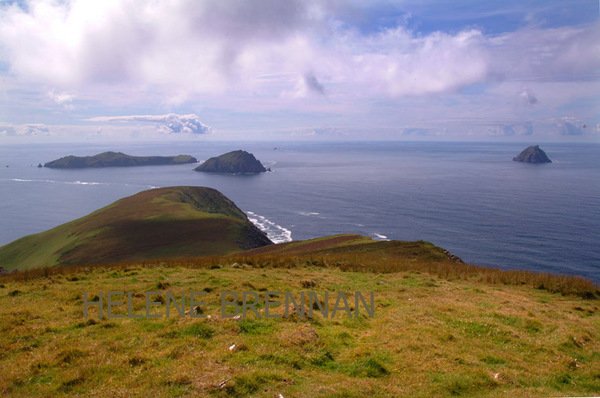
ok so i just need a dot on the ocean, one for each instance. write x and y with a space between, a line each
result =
469 198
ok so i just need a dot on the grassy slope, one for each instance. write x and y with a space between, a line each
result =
441 328
430 337
355 245
177 221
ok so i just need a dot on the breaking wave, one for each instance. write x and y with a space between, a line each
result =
276 233
379 236
308 213
78 182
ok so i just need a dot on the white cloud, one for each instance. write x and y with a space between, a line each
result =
62 98
216 46
568 126
501 131
523 128
567 53
31 130
510 130
7 131
169 124
299 57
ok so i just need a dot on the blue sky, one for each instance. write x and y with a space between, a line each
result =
472 70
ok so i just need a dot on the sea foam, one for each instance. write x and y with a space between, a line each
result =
379 236
276 233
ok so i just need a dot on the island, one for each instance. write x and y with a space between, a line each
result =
117 159
532 154
234 162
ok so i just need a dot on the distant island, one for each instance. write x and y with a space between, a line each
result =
117 159
532 154
234 162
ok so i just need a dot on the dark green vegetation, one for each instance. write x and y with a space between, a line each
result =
235 162
165 222
532 154
117 159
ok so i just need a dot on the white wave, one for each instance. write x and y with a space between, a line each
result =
379 236
308 213
276 233
62 182
83 183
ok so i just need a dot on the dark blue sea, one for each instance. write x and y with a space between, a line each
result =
469 198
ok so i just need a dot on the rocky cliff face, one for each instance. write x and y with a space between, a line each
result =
532 154
235 162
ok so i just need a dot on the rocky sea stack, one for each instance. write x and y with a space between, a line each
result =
235 162
532 154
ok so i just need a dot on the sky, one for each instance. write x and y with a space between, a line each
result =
472 70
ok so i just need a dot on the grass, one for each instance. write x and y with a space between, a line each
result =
441 327
355 253
433 334
175 221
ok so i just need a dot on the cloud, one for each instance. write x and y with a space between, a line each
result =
62 98
528 97
316 59
568 126
412 132
313 85
201 45
169 124
559 54
305 86
500 131
523 128
217 46
7 131
31 130
510 130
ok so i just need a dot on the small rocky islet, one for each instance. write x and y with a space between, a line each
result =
532 154
234 162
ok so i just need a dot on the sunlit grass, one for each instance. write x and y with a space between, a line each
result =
433 334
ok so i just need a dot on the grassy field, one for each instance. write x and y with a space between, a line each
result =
433 334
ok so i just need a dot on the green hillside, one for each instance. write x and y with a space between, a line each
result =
438 326
166 222
356 245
